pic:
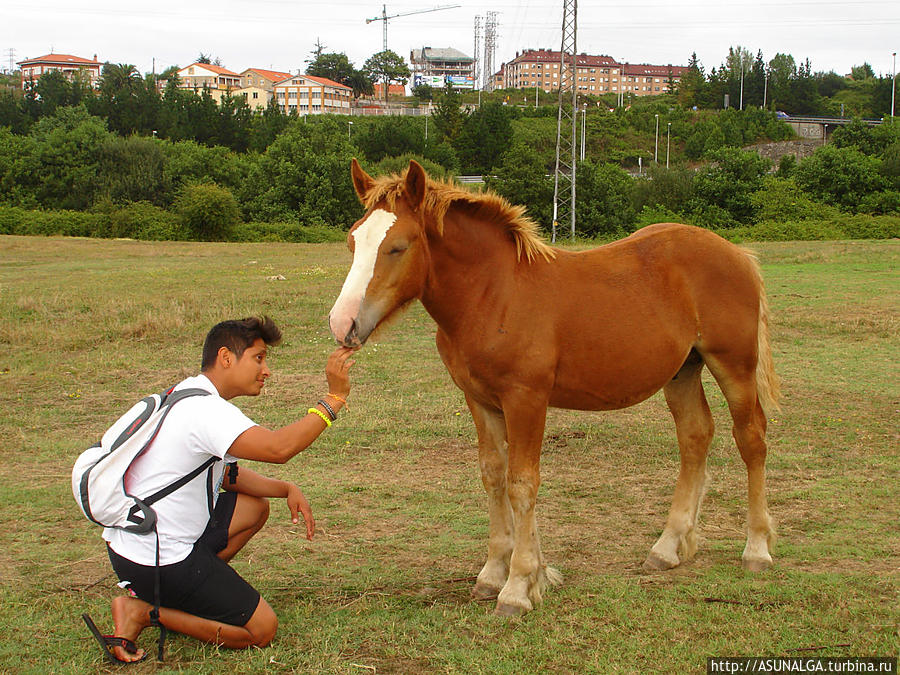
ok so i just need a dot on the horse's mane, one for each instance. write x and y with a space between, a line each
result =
440 195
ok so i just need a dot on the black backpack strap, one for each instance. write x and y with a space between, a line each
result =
142 504
168 399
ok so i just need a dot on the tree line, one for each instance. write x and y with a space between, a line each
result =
783 84
175 164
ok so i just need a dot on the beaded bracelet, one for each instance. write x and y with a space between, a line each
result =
337 398
328 409
316 411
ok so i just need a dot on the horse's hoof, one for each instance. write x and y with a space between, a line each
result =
756 565
656 563
505 609
484 592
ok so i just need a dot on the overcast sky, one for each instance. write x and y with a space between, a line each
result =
281 34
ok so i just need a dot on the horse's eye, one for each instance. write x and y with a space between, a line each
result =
397 250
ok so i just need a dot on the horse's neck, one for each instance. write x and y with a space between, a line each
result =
470 263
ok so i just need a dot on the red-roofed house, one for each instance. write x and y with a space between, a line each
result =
218 80
68 65
308 95
257 85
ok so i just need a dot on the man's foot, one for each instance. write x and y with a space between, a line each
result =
130 616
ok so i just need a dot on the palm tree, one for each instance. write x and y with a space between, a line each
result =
118 76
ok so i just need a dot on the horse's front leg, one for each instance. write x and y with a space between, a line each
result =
492 458
528 575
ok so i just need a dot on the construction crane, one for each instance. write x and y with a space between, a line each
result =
384 16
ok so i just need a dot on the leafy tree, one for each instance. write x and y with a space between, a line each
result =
830 83
54 91
524 176
448 115
266 126
726 185
670 189
386 67
863 72
132 169
484 137
782 71
335 67
191 162
12 111
361 84
782 200
60 165
605 200
304 175
389 137
840 176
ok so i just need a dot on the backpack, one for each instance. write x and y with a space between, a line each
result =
98 477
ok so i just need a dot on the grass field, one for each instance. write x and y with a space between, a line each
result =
89 326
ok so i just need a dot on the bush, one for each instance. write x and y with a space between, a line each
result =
782 200
722 190
287 232
16 220
650 215
840 176
143 220
838 228
208 211
391 165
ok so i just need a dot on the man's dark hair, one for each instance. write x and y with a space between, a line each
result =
237 335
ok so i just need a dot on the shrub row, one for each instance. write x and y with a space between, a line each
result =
141 220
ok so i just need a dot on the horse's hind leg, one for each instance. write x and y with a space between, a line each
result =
492 456
740 389
694 427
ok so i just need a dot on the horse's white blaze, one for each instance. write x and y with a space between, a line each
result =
367 238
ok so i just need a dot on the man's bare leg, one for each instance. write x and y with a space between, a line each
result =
250 514
132 615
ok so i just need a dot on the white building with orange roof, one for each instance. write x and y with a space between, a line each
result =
68 65
309 95
218 80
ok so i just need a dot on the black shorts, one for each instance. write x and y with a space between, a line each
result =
202 584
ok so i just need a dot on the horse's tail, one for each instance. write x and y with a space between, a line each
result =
768 384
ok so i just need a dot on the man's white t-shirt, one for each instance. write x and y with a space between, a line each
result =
195 429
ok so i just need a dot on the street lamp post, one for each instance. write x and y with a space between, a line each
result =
668 138
583 128
893 84
656 146
742 82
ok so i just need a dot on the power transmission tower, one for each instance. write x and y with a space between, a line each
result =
490 49
564 178
476 62
11 53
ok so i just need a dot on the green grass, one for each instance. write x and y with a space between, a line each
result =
88 326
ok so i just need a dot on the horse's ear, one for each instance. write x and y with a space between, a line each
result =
362 182
415 184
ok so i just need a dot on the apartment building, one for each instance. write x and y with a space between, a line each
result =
68 65
596 75
308 95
